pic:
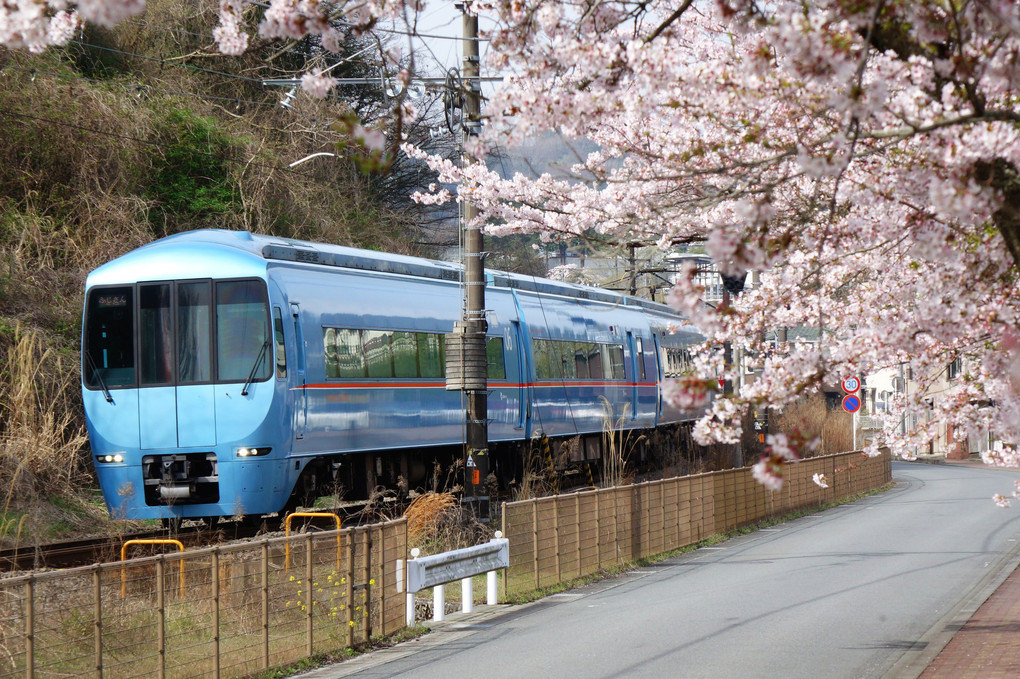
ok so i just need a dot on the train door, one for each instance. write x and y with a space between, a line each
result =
659 375
634 348
195 393
524 380
301 402
157 395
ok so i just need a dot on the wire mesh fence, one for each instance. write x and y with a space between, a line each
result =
557 539
225 611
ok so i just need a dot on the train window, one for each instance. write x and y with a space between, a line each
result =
330 353
640 355
109 338
242 331
616 370
430 354
405 354
495 366
344 355
565 362
540 355
281 348
595 368
378 357
156 334
194 333
581 360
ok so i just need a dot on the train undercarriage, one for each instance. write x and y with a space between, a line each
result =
543 465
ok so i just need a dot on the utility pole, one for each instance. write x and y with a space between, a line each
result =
466 345
632 262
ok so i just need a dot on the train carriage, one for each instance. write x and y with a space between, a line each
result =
227 373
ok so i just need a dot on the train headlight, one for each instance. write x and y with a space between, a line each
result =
116 457
253 452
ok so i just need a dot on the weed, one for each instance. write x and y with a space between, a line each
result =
436 522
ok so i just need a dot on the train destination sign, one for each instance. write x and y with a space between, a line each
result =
851 403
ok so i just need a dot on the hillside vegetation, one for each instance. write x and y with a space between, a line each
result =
129 135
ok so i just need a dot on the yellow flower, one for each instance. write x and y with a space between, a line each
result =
292 578
351 623
371 582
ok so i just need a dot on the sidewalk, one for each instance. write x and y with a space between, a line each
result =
987 645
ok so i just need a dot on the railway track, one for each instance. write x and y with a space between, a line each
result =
70 553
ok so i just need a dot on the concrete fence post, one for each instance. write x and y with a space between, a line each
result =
491 595
467 595
439 603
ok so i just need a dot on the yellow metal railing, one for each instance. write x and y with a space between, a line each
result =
311 515
123 557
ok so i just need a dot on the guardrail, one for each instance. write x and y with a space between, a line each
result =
438 570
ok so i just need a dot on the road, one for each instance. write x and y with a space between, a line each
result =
855 591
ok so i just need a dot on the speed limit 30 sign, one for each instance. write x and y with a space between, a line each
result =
850 384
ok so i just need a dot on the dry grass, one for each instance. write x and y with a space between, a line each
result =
617 444
41 435
811 418
436 522
42 438
425 510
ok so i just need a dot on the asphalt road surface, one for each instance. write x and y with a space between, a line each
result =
863 590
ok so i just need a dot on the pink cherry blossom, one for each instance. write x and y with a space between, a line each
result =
316 84
768 471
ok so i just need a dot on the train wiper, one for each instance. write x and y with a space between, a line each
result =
99 378
255 368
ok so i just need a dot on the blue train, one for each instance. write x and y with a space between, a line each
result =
226 373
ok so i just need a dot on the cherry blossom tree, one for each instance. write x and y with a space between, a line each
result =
862 155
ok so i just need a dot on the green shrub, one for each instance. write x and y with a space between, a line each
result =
192 182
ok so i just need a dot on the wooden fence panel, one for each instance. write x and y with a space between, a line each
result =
557 539
216 612
589 534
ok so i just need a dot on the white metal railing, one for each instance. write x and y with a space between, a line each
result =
438 570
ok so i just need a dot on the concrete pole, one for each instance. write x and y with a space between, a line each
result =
476 454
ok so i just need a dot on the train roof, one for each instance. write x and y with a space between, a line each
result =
324 254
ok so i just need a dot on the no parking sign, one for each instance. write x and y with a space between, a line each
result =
851 403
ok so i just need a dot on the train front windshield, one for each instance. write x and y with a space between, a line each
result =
177 333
